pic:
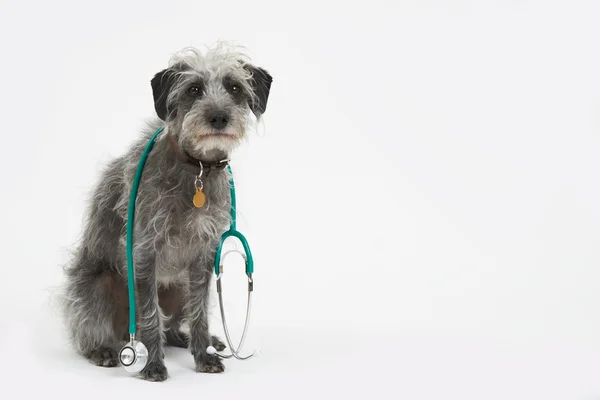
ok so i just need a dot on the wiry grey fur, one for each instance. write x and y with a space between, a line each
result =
175 242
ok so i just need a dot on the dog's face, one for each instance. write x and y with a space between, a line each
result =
206 101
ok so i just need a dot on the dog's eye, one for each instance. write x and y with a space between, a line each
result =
194 90
235 88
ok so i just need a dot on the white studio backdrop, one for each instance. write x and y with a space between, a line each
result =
421 199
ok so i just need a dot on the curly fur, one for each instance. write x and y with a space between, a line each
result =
175 242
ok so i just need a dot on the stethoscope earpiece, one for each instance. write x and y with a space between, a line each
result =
234 351
133 356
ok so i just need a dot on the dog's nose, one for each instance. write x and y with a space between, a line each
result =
218 121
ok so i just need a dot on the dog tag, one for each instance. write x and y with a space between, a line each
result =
199 198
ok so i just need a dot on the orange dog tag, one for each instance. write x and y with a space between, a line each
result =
199 198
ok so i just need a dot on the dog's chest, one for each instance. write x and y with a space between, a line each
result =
191 240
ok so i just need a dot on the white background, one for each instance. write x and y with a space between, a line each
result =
422 200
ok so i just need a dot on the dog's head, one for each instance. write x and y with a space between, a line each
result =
206 100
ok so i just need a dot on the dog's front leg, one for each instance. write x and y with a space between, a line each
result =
149 320
200 339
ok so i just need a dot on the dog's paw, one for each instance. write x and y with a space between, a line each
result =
104 357
155 372
217 343
210 365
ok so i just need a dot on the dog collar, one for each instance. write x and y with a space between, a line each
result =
192 164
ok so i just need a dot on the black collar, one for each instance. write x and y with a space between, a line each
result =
195 165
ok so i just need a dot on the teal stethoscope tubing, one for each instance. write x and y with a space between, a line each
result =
130 225
232 232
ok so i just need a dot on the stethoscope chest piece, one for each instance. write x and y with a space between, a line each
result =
133 356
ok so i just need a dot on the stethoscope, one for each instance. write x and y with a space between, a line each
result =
134 355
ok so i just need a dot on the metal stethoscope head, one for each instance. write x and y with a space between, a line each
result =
134 355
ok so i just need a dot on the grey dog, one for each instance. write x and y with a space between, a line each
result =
205 103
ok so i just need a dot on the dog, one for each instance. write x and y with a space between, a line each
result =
205 102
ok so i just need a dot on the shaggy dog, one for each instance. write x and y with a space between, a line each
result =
204 102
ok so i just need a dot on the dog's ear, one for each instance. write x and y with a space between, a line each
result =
261 85
161 85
